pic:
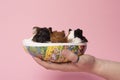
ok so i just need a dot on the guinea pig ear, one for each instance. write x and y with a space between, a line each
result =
35 29
63 31
50 29
70 30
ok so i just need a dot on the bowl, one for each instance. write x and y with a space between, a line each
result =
52 52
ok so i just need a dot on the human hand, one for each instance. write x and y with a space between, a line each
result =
85 63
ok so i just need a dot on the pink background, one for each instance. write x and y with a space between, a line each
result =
100 20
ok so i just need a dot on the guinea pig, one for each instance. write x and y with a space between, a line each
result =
76 36
41 35
58 37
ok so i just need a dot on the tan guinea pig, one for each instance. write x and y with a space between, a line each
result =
58 37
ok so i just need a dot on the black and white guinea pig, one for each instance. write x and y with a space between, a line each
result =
41 35
76 36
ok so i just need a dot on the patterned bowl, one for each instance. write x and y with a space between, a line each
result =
52 51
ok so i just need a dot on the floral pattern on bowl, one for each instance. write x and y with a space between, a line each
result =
54 53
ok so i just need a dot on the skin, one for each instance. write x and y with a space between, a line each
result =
109 70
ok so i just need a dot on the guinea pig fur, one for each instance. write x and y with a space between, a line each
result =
41 35
76 36
58 37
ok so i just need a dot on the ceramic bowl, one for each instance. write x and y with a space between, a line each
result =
52 51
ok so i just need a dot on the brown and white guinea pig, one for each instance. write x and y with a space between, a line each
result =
58 37
76 36
41 35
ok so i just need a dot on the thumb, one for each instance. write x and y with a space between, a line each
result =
70 55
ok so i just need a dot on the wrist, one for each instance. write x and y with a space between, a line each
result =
98 68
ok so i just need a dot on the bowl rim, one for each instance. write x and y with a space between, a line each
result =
29 42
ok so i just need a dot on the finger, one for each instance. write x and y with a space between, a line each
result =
79 61
54 66
70 55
